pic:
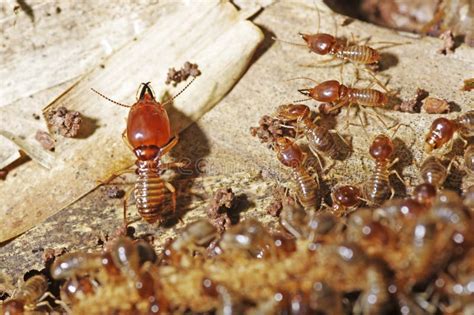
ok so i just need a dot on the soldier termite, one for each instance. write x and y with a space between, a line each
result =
148 135
291 155
442 130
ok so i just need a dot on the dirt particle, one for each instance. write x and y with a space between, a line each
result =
115 192
468 85
279 199
36 116
448 43
176 76
435 106
413 105
269 129
49 254
66 123
221 208
45 139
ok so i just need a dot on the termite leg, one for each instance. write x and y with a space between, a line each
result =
125 202
167 166
398 176
173 194
169 145
316 155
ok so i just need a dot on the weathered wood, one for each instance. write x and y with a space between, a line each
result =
212 35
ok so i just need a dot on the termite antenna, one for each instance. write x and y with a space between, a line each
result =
301 78
179 93
302 100
110 100
287 42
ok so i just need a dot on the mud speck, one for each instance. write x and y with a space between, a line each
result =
220 209
434 105
413 105
115 192
176 76
66 123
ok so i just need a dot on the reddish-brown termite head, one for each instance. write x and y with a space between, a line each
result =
321 43
328 91
381 148
441 132
148 126
291 112
289 153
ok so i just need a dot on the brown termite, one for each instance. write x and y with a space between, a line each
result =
291 155
433 171
341 95
28 297
378 188
148 134
320 139
469 159
196 235
442 130
345 199
339 48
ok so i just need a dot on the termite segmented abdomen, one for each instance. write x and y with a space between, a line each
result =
359 54
306 188
320 139
377 188
32 290
367 97
433 171
469 159
466 123
149 191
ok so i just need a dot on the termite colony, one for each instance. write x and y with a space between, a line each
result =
365 251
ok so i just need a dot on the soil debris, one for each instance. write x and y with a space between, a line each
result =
36 116
45 139
221 208
66 123
176 76
468 85
269 129
280 198
434 105
413 105
50 254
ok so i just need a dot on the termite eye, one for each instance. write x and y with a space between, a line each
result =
381 148
147 152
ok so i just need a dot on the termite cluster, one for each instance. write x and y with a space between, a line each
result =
366 251
406 256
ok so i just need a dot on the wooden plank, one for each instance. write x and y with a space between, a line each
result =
211 34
